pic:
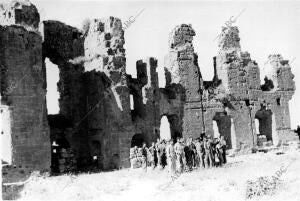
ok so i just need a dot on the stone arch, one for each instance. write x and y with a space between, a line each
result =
265 123
165 130
175 125
137 140
224 127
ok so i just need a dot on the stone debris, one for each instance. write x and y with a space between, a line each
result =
67 161
262 186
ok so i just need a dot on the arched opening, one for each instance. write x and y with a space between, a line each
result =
52 77
170 127
137 140
216 129
165 132
222 125
264 117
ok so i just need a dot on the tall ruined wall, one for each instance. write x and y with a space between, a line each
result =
240 77
23 87
235 97
106 85
95 91
183 75
182 61
146 99
63 43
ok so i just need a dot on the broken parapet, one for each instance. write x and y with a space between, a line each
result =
181 62
240 77
95 92
23 89
22 13
229 39
183 81
103 46
61 44
104 54
146 104
279 71
238 72
146 73
105 37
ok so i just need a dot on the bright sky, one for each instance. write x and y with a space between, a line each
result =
265 28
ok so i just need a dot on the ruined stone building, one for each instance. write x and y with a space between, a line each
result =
95 116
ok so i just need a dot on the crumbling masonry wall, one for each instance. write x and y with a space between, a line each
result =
95 91
23 89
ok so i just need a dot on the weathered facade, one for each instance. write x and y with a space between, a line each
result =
95 117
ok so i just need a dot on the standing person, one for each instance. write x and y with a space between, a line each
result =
200 152
179 156
223 146
133 156
164 155
213 149
157 145
144 156
208 160
188 155
161 154
219 154
182 143
152 151
193 148
170 151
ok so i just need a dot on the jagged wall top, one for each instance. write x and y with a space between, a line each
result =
229 39
104 38
20 12
181 35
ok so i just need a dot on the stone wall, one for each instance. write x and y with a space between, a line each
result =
23 88
95 91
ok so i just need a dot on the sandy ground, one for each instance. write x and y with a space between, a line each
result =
215 184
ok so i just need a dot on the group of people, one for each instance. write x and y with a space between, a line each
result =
184 155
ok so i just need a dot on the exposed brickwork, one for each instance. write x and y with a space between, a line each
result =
95 92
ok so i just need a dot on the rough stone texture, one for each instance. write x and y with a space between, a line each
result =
21 13
23 91
95 118
106 84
